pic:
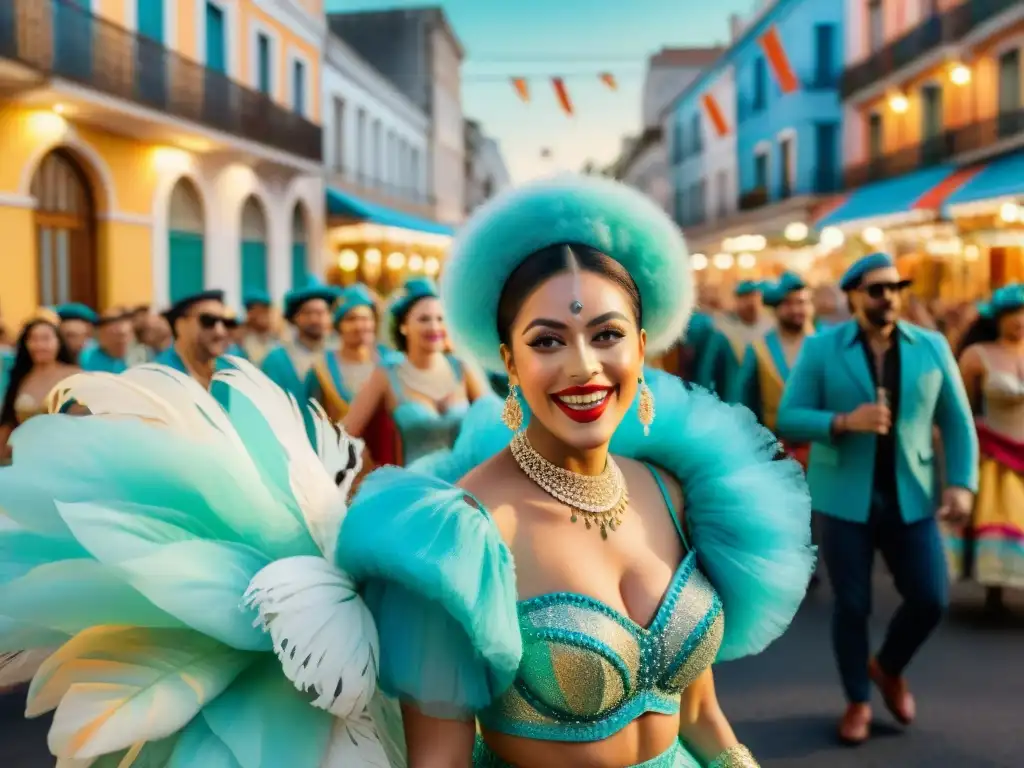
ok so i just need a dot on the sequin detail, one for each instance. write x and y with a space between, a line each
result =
587 670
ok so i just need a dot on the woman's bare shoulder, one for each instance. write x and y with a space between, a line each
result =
495 485
641 471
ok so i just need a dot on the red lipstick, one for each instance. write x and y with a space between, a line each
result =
584 404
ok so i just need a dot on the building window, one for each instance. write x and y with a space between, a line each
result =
826 148
787 167
376 150
414 170
362 166
263 63
876 139
681 207
1009 93
696 138
760 84
824 55
931 111
339 134
876 25
761 170
723 193
299 87
678 143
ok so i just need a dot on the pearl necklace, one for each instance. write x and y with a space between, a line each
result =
600 500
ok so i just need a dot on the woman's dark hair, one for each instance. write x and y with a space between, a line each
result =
555 260
23 365
398 320
984 330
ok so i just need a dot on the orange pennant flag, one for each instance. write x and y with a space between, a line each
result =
522 88
771 43
715 115
562 94
609 79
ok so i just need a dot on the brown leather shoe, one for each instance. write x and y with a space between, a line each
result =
895 693
855 725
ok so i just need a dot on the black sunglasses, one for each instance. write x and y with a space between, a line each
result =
208 321
878 290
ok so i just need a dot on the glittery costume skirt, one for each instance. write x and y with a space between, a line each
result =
675 757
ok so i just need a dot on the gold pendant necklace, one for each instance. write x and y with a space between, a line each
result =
600 500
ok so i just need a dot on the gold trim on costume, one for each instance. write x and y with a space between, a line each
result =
735 757
770 383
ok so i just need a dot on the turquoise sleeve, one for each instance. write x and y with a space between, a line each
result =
803 417
440 584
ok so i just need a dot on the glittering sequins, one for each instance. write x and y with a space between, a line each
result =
587 670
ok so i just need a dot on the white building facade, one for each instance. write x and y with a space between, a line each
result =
376 140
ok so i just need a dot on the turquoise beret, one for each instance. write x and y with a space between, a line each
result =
415 288
569 209
853 276
295 298
1009 298
256 299
76 311
747 287
357 295
776 293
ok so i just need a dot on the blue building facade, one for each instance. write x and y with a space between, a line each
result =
775 145
790 144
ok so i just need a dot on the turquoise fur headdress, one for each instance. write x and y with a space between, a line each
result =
1009 298
598 213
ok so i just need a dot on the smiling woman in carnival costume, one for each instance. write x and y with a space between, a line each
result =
185 547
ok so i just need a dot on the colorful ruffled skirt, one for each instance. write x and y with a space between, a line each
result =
991 549
675 757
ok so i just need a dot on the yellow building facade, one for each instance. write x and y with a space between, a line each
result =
154 147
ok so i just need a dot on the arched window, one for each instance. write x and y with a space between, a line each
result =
65 219
254 247
186 241
300 246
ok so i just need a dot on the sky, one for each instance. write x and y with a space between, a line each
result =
576 39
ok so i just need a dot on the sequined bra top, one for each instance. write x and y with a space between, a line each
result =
587 671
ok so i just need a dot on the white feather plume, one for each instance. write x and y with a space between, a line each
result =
18 667
322 631
320 479
356 742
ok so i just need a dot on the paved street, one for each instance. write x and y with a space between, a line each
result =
784 703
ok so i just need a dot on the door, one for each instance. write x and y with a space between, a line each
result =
1009 118
254 248
187 264
151 72
218 91
826 157
65 219
299 271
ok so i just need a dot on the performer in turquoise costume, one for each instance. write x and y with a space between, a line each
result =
309 312
195 544
422 389
113 343
258 335
201 326
77 324
720 366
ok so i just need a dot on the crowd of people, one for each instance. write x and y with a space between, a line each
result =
554 338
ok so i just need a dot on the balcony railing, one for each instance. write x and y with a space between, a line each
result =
755 198
60 39
369 182
945 147
937 30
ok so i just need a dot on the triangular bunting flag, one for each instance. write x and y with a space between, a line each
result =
522 88
562 94
609 79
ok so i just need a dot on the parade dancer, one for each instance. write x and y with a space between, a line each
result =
258 336
719 366
422 388
201 326
196 544
77 325
113 343
991 548
866 394
308 310
767 361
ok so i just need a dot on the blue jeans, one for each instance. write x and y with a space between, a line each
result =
913 554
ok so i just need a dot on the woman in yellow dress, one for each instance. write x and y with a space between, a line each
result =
991 550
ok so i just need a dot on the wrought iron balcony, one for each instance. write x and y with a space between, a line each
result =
59 39
948 146
932 33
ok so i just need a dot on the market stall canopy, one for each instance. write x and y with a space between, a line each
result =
1001 180
350 206
912 197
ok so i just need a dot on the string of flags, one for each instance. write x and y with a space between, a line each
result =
521 85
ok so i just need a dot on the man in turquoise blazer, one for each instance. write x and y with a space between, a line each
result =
867 393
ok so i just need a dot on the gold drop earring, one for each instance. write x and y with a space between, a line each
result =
645 409
512 413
